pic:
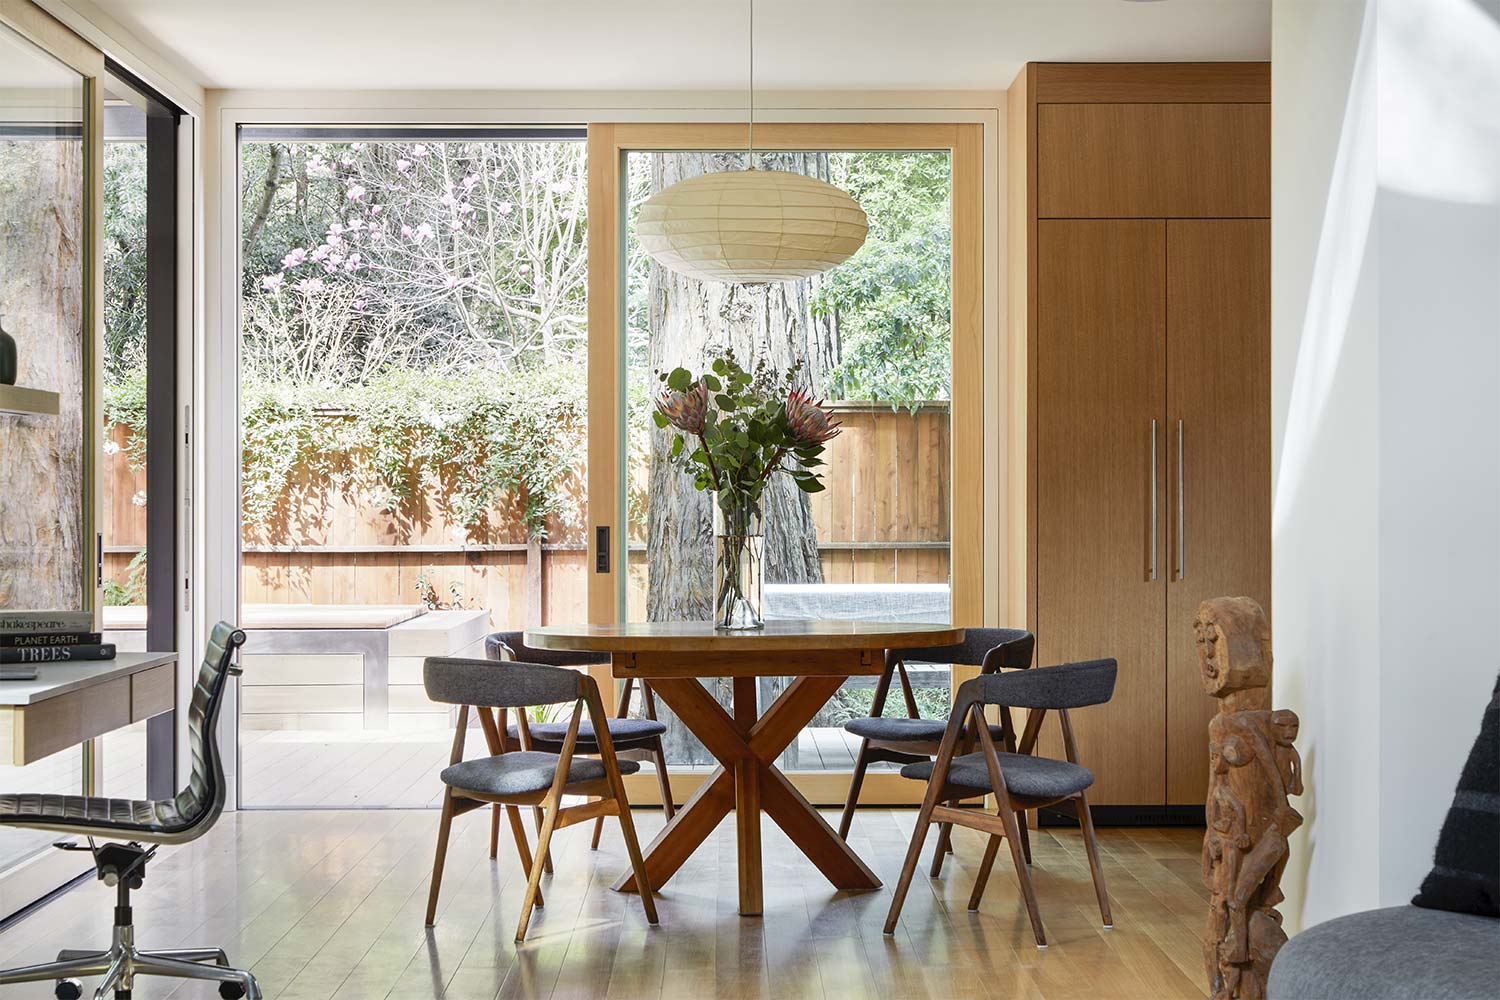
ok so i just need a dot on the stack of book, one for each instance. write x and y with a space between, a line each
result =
31 637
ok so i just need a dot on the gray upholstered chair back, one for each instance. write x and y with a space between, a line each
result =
496 644
1071 685
459 681
990 648
201 802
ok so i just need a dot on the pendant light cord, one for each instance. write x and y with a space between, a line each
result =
750 144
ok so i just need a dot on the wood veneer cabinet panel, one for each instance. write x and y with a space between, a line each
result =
1101 381
1219 387
1153 160
1131 83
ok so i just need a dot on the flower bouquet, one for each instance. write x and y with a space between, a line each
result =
736 429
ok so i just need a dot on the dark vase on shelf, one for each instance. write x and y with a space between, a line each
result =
7 356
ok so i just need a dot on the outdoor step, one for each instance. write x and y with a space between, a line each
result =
439 633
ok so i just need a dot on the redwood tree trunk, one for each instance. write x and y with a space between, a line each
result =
692 322
42 550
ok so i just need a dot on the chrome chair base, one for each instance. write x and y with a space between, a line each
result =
123 962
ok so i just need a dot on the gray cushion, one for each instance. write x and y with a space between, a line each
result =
620 730
903 730
522 772
1401 951
1026 776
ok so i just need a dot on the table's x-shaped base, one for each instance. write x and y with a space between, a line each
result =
747 782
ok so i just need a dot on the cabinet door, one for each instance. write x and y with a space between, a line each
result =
1219 389
1101 381
1140 160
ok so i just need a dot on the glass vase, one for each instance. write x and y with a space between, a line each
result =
739 547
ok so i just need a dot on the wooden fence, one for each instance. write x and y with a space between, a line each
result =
884 518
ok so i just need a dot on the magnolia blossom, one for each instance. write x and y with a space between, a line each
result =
560 187
318 167
686 411
376 209
309 286
807 420
420 149
356 192
524 269
403 165
504 208
272 282
294 258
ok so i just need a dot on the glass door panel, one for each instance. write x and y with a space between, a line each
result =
874 338
44 197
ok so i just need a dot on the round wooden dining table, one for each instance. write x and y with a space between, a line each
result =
818 655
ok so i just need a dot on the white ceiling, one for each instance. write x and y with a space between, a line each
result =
597 45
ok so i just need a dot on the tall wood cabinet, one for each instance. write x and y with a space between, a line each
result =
1140 366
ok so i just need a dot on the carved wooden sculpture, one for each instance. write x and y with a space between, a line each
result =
1253 767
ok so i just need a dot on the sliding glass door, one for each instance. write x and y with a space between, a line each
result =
881 337
413 397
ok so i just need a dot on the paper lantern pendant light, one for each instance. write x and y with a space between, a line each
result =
751 227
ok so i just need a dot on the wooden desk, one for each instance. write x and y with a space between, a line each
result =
70 703
821 655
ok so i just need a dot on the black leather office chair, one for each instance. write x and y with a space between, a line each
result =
186 816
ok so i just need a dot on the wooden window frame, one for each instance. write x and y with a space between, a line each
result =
608 146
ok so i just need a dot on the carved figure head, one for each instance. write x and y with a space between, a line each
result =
1284 724
1234 645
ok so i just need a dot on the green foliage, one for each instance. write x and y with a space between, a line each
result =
483 436
744 436
125 403
132 590
124 257
893 298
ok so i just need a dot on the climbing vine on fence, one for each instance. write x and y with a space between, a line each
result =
486 437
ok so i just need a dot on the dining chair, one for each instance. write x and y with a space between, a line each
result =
129 831
634 739
914 739
1020 780
528 777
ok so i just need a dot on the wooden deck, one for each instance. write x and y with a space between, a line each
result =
324 905
396 769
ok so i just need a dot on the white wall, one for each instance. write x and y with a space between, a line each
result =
1386 424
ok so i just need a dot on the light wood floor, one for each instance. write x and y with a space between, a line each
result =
398 769
329 904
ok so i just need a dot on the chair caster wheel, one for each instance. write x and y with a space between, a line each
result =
68 989
231 991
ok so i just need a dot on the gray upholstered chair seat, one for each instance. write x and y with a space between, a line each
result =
522 772
903 730
1025 776
1400 951
621 731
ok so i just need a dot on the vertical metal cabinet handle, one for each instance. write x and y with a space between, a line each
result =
1181 514
1153 500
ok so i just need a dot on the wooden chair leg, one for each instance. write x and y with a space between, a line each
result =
665 780
494 831
598 830
991 849
444 823
523 849
856 780
637 863
1025 834
543 846
1023 873
1086 821
913 854
541 821
944 846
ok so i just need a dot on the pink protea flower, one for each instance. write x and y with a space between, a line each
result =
807 420
687 411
